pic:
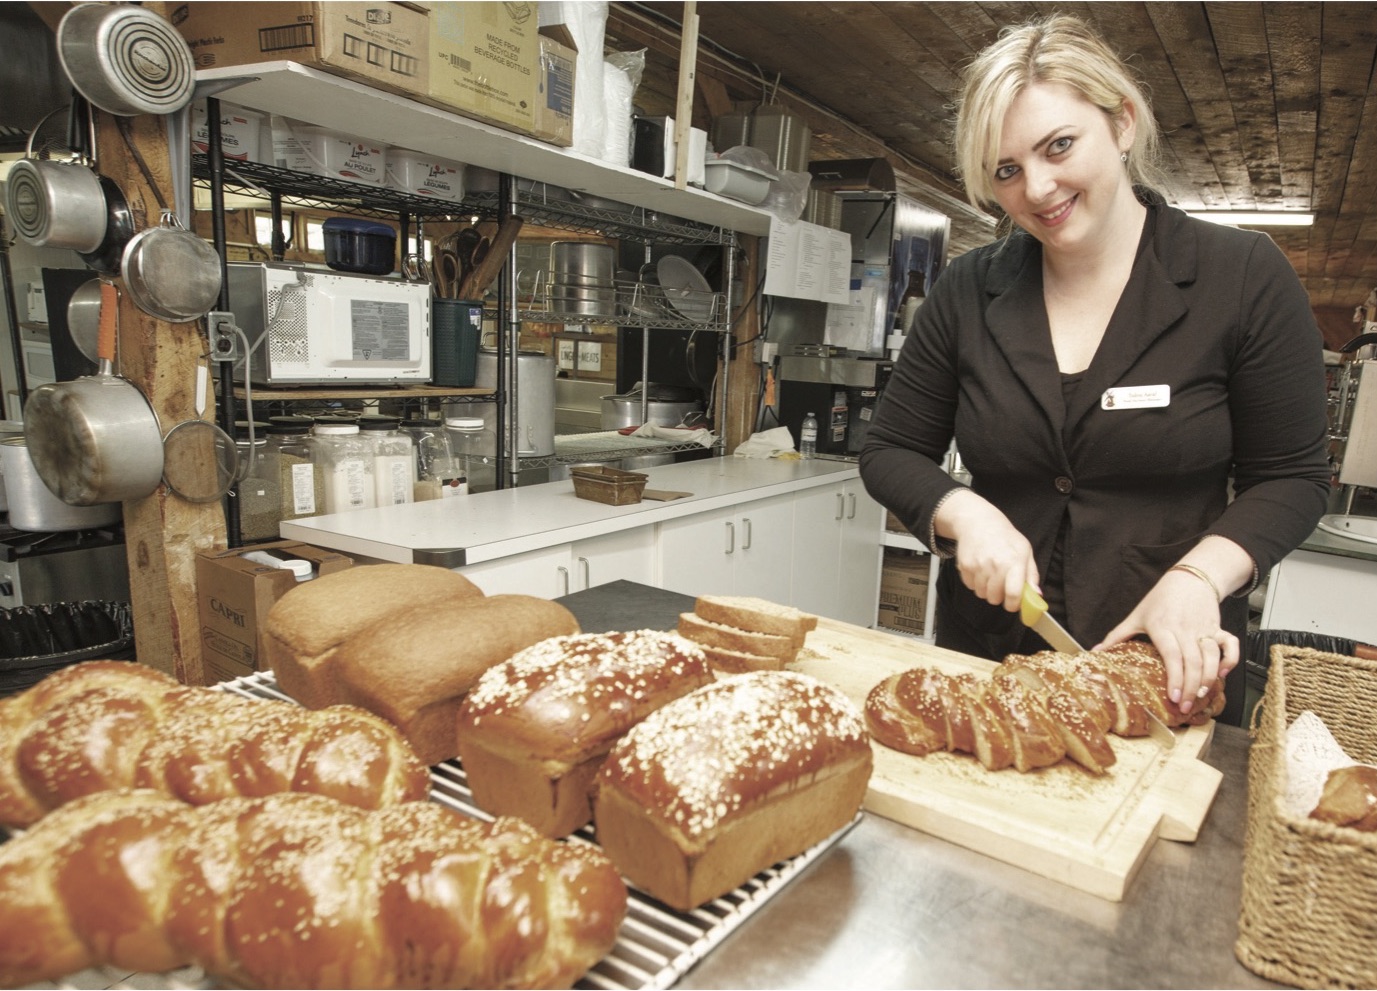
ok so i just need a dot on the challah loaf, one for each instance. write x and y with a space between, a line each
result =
1034 711
535 729
299 891
718 785
102 725
405 641
1349 798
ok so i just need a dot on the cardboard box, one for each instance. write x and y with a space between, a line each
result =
234 595
554 106
485 60
382 44
903 592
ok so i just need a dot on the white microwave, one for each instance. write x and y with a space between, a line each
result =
312 327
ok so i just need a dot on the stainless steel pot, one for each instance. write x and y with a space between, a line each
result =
95 439
83 319
56 204
625 411
32 506
8 429
125 59
535 399
582 263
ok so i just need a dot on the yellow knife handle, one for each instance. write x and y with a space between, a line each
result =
1034 606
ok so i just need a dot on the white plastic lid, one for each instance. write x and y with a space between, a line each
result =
301 569
336 428
464 423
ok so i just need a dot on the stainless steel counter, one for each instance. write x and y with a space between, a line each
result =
892 907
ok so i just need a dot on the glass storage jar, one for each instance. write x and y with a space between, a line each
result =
475 447
300 485
394 459
257 485
346 464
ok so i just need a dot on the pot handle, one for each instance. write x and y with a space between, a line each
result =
109 326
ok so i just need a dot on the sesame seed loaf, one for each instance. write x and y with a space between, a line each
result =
718 785
535 729
405 642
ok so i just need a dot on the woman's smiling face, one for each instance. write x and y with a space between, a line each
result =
1059 175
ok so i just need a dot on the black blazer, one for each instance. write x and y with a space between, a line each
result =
1214 313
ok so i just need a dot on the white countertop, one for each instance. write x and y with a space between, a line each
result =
489 525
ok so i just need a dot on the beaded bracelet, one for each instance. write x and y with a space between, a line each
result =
1191 569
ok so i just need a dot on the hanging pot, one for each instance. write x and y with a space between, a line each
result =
171 273
125 59
83 319
95 439
32 506
57 204
119 231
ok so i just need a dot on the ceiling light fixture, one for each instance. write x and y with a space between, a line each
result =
1253 218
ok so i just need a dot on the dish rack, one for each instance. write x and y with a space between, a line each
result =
657 945
626 302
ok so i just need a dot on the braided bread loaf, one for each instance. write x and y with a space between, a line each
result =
1035 710
301 891
101 725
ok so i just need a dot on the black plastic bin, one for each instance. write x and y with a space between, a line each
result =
35 641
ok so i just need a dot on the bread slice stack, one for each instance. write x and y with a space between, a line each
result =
744 633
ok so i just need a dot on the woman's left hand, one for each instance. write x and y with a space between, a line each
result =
1181 617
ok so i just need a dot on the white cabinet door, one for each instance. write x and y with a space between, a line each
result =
746 550
837 552
628 555
858 566
554 571
533 573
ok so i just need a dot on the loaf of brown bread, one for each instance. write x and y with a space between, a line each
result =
105 725
745 633
405 641
536 728
716 786
1350 798
298 891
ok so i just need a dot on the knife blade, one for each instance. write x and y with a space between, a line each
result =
1033 612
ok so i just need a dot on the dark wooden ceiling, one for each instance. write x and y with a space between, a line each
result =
1263 105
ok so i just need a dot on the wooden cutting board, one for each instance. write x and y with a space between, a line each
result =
1061 822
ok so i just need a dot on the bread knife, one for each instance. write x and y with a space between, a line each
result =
1034 614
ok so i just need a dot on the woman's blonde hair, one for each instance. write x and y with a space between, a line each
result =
1057 49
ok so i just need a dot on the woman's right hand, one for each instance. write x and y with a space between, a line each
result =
993 558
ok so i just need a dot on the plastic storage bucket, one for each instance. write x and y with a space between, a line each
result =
240 131
455 327
425 175
337 155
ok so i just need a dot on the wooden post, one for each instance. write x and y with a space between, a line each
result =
683 112
163 533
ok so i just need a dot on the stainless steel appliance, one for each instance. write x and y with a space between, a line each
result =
840 391
67 566
309 327
535 399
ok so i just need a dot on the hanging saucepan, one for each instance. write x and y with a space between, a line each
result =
171 273
125 59
95 439
55 204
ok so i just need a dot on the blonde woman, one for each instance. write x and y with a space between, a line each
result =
1139 396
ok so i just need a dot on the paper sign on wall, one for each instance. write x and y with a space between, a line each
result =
808 261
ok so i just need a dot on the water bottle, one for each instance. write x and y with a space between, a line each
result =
808 437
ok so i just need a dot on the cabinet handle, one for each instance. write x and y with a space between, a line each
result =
587 573
851 505
564 573
841 506
746 543
731 537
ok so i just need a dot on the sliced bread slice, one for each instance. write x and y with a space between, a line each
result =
725 637
740 661
748 612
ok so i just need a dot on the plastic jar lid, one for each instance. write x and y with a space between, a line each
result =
335 428
378 423
241 430
464 422
301 569
289 424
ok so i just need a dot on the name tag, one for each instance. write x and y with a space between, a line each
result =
1136 397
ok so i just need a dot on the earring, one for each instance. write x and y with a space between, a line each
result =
1124 157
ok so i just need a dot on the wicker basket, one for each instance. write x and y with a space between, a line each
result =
1309 913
